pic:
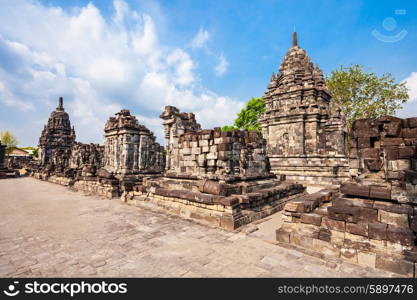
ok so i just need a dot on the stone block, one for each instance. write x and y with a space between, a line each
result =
373 165
411 122
391 175
301 240
377 231
294 206
334 224
403 236
311 218
282 235
395 265
358 229
325 234
403 164
392 128
326 248
349 254
355 189
391 142
364 142
227 223
379 192
407 152
352 214
372 153
411 176
409 132
353 163
367 259
399 220
391 153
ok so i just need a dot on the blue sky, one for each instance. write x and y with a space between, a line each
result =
208 57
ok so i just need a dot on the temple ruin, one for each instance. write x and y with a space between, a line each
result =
57 134
305 135
130 148
365 212
218 178
372 219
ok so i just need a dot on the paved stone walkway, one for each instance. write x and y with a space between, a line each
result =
47 230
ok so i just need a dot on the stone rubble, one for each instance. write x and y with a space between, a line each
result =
372 219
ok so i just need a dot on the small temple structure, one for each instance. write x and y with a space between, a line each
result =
305 135
130 147
57 134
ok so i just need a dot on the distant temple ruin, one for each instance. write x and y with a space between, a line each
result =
57 134
305 135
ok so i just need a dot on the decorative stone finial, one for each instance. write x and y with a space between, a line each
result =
294 39
60 104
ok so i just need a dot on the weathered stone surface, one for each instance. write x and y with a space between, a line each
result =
294 206
377 231
283 235
411 176
367 259
395 265
403 236
325 234
212 187
334 224
352 214
326 248
399 220
355 190
358 229
311 218
379 192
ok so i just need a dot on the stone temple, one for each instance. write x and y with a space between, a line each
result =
305 135
364 210
57 134
130 148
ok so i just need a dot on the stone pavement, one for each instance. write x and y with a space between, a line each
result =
47 230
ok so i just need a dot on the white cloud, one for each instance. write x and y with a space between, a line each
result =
412 86
410 108
99 66
221 67
200 39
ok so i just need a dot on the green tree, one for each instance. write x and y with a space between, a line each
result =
35 152
8 139
247 118
362 94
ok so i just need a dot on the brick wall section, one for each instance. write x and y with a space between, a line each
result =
384 148
232 155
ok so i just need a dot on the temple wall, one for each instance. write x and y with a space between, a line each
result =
372 219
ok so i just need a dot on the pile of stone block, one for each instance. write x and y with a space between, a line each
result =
230 155
226 205
384 148
363 224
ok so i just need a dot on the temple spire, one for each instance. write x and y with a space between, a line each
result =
60 104
294 39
